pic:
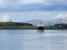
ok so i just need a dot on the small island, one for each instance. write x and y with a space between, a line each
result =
7 23
15 25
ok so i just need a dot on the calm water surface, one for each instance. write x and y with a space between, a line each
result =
33 40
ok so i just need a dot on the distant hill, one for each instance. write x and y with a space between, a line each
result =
14 25
37 21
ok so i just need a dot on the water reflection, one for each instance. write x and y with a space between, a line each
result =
40 31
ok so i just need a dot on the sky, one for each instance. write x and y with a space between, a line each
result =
22 10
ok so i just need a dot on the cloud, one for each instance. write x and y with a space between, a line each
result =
23 16
46 2
4 3
30 1
5 18
32 5
35 7
50 16
62 15
7 3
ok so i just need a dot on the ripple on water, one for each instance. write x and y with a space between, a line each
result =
33 40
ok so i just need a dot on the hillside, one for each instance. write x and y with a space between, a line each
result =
14 25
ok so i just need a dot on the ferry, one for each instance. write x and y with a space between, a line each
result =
40 26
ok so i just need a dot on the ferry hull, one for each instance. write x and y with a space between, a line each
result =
40 28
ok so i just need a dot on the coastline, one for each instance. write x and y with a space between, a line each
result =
18 25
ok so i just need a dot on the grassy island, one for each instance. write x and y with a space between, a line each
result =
15 25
